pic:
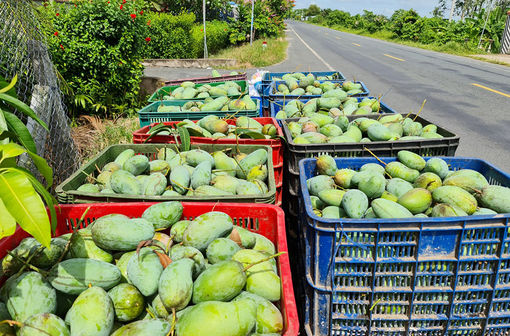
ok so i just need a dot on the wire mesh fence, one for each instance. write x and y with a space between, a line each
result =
23 51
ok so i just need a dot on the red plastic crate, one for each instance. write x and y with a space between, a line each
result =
141 135
201 80
265 219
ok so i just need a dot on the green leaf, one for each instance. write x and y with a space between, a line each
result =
185 140
8 223
157 128
43 168
252 135
11 84
22 107
20 131
25 205
3 123
11 150
194 132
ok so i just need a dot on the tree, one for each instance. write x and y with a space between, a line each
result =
313 10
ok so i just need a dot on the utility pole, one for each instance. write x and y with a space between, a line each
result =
454 2
251 28
206 55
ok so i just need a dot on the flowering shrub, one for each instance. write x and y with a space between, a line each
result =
217 37
97 47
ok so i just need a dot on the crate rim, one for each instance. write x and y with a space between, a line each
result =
432 220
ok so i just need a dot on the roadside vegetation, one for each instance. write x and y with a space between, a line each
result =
256 55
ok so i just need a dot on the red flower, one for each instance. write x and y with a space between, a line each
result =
57 14
141 12
147 39
55 33
149 23
108 2
121 6
133 16
62 47
123 1
201 29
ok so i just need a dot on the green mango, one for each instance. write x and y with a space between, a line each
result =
144 270
221 249
331 196
82 245
257 173
389 196
123 157
496 198
312 137
295 129
411 160
180 179
127 301
226 183
342 122
207 227
154 185
122 263
89 188
370 214
395 128
178 252
123 182
321 119
364 123
332 212
263 244
447 210
455 196
269 319
437 166
317 203
384 208
256 158
318 183
468 179
379 132
215 318
151 327
196 156
91 314
178 229
113 166
201 175
249 123
206 120
398 186
248 239
416 200
158 308
364 175
343 177
355 203
326 165
220 282
431 128
122 234
354 133
399 170
103 179
429 181
484 211
331 130
163 215
393 118
373 167
42 257
30 294
45 324
248 188
136 165
73 276
224 163
176 284
374 186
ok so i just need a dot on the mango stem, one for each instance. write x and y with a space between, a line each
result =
381 161
24 262
12 323
421 108
263 260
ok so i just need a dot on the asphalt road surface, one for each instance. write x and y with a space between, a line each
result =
467 96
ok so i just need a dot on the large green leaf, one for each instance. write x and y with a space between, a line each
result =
10 86
43 168
25 205
20 131
185 140
11 150
8 223
22 107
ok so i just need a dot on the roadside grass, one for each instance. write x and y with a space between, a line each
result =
94 134
256 56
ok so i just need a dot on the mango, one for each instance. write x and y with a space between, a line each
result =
437 166
484 211
122 263
468 179
197 156
207 227
206 190
355 203
121 235
136 165
159 166
178 229
224 163
395 128
384 208
447 210
354 133
389 196
248 239
154 185
496 198
397 169
374 186
455 196
123 157
176 284
220 282
178 252
89 188
30 294
331 196
82 246
317 203
201 175
370 214
268 318
257 173
416 200
326 165
331 130
151 327
157 308
379 132
411 160
333 212
343 177
374 167
221 249
398 186
214 318
45 324
123 182
111 167
256 158
26 248
163 215
429 181
318 183
180 179
127 301
144 270
91 314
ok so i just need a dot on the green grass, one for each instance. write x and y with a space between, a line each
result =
255 56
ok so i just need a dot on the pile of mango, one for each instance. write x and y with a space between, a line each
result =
319 128
332 107
309 86
215 128
222 103
191 173
300 75
411 186
121 276
188 90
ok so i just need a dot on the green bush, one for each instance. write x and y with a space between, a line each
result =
217 38
170 35
97 47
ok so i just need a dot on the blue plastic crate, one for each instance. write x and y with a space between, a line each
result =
273 95
412 276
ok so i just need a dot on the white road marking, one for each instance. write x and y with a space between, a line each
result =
330 68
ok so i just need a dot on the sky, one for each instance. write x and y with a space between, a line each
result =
386 7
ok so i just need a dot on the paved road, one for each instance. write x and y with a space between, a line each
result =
406 76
